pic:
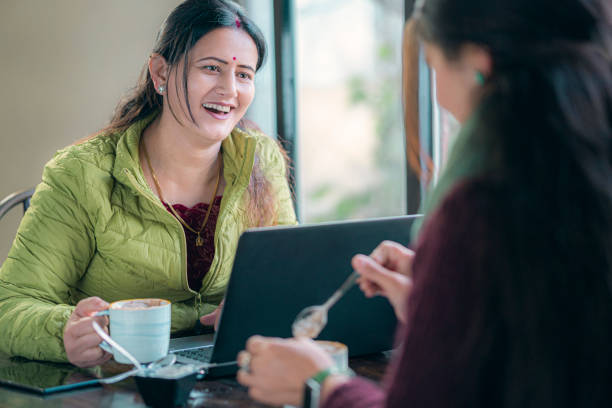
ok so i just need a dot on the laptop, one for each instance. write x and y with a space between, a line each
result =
278 271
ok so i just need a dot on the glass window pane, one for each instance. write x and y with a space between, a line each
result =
351 144
263 109
445 129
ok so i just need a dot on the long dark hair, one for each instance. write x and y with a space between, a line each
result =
185 25
546 123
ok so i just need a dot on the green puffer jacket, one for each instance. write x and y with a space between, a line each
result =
95 228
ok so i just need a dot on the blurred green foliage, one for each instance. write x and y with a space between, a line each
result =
381 93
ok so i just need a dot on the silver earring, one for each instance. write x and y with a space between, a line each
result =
161 89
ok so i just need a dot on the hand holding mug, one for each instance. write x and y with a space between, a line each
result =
80 340
387 272
278 368
139 326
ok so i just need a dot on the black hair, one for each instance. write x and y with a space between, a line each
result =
545 120
186 24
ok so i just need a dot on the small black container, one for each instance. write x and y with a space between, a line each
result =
167 387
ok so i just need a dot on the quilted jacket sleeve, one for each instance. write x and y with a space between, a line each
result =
51 251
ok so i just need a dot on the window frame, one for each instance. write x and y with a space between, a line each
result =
286 105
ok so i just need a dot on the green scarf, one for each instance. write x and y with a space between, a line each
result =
466 159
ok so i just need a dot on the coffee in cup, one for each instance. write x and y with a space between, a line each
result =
141 326
337 351
339 354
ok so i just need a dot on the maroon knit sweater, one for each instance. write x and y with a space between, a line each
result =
443 358
199 258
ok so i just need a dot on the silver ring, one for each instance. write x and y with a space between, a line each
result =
245 361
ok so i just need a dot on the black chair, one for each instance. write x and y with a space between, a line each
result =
20 197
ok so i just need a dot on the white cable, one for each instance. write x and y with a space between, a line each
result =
138 368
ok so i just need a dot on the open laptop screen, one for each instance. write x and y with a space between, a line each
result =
280 270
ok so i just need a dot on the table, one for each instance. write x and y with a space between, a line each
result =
223 392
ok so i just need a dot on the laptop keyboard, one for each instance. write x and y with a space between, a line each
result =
200 354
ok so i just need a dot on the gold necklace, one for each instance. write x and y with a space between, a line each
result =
199 240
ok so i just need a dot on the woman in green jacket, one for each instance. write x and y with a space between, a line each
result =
153 205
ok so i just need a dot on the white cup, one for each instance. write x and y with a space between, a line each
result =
337 351
141 326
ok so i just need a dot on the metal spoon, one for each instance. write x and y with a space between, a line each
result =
312 320
167 360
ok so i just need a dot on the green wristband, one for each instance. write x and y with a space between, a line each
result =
323 374
313 385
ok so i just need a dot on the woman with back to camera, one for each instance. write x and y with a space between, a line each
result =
507 300
153 205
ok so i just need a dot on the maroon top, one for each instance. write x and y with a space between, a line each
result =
200 258
445 356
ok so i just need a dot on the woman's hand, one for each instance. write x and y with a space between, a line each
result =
212 319
80 340
279 368
387 272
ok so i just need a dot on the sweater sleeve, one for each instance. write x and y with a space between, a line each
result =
356 393
49 255
435 364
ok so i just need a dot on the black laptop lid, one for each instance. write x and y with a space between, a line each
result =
280 270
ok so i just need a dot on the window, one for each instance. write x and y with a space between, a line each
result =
331 92
349 113
262 111
445 129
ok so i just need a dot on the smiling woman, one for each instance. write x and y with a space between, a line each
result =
219 81
151 206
